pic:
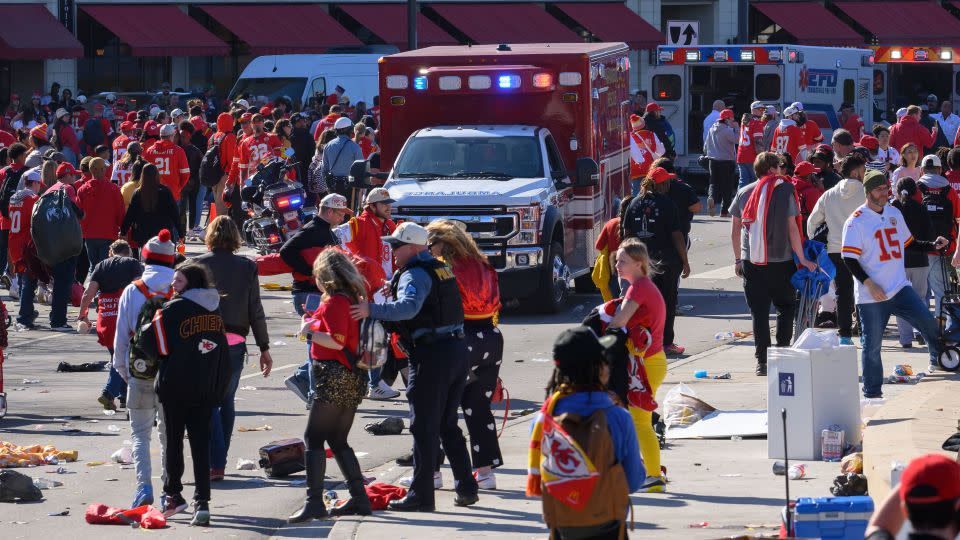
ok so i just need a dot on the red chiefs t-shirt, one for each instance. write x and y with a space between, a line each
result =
750 133
120 147
609 236
6 139
789 140
812 134
255 148
4 222
651 313
333 317
854 125
20 212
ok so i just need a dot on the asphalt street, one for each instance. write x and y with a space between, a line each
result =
46 407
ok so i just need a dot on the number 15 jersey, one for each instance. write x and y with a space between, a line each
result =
877 241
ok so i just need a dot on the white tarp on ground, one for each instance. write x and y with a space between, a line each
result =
723 425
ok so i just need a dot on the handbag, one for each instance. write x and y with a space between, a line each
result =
501 394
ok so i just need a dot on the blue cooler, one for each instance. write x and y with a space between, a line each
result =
832 517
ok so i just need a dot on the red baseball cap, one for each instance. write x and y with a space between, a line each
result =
65 169
132 116
661 175
726 114
128 126
266 110
804 168
245 117
151 128
869 142
932 478
653 107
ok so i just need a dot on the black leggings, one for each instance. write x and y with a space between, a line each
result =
328 423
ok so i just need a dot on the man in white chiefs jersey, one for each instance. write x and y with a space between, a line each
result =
874 239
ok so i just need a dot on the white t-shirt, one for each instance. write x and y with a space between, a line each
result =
877 241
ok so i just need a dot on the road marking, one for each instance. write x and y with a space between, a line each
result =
34 340
726 272
275 368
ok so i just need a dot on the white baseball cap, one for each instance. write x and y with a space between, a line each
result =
167 130
930 160
243 103
379 195
789 111
342 123
408 233
757 105
901 112
335 201
176 112
797 105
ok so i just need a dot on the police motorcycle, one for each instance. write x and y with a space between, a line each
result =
274 206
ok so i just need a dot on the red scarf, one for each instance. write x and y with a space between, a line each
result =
754 216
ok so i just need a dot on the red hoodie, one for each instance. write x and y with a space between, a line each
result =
227 140
103 209
909 130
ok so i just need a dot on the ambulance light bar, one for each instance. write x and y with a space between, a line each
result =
747 55
921 55
896 54
693 56
720 56
946 55
665 56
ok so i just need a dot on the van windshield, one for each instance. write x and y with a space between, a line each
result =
271 87
475 157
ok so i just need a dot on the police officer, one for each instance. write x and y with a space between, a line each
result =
427 315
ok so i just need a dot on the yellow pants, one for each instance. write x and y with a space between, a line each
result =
643 420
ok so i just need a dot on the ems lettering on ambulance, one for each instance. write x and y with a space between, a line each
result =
877 241
818 81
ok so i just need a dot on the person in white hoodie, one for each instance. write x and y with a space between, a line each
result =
833 208
158 256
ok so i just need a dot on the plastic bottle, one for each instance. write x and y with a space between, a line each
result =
43 483
797 471
720 336
779 468
702 374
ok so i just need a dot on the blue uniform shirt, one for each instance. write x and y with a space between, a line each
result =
339 155
412 291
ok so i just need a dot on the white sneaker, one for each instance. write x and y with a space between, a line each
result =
406 481
486 482
382 391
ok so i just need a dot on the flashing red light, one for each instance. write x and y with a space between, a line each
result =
542 80
662 94
283 202
274 238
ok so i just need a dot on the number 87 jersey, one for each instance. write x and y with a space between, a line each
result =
877 241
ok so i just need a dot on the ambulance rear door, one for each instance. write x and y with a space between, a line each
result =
769 84
668 86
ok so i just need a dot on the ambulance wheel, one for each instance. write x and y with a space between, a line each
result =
950 358
554 278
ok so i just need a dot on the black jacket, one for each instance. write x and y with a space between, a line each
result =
236 279
187 337
194 157
659 127
921 228
303 149
145 225
317 233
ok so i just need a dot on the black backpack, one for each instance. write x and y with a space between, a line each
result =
10 182
937 203
211 170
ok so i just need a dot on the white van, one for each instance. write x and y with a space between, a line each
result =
303 76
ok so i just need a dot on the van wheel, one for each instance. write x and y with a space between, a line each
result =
553 290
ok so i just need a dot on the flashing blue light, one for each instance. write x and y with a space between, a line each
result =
508 81
295 201
420 83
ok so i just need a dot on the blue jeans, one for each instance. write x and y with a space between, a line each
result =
873 320
747 176
64 276
28 291
303 375
222 417
198 206
116 386
98 249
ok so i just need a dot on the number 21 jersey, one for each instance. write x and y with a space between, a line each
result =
877 241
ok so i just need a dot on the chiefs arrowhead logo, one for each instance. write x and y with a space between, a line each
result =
206 346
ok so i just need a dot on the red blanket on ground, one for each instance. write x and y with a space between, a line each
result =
146 516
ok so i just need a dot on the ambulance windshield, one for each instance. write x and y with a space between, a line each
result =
473 157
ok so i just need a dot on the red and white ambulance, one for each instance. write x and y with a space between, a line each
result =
904 75
524 144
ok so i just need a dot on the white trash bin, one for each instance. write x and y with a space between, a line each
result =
819 388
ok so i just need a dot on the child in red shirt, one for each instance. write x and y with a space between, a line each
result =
334 338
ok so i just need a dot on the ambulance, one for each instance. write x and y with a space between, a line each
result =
906 75
524 144
686 81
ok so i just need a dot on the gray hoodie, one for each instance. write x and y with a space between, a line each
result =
721 143
933 181
157 278
209 299
833 208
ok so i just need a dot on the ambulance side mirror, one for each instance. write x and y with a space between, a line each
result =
587 173
358 171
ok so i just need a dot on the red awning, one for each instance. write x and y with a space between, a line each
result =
905 22
282 29
389 23
152 30
31 32
615 22
506 23
810 23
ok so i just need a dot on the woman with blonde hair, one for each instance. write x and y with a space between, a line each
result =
236 279
480 291
643 308
334 339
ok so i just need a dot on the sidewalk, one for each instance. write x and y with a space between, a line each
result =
727 484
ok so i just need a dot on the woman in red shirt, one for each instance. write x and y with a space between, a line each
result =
480 291
643 308
332 333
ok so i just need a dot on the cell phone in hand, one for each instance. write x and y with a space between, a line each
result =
312 303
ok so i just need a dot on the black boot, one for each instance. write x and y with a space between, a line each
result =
359 504
313 508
